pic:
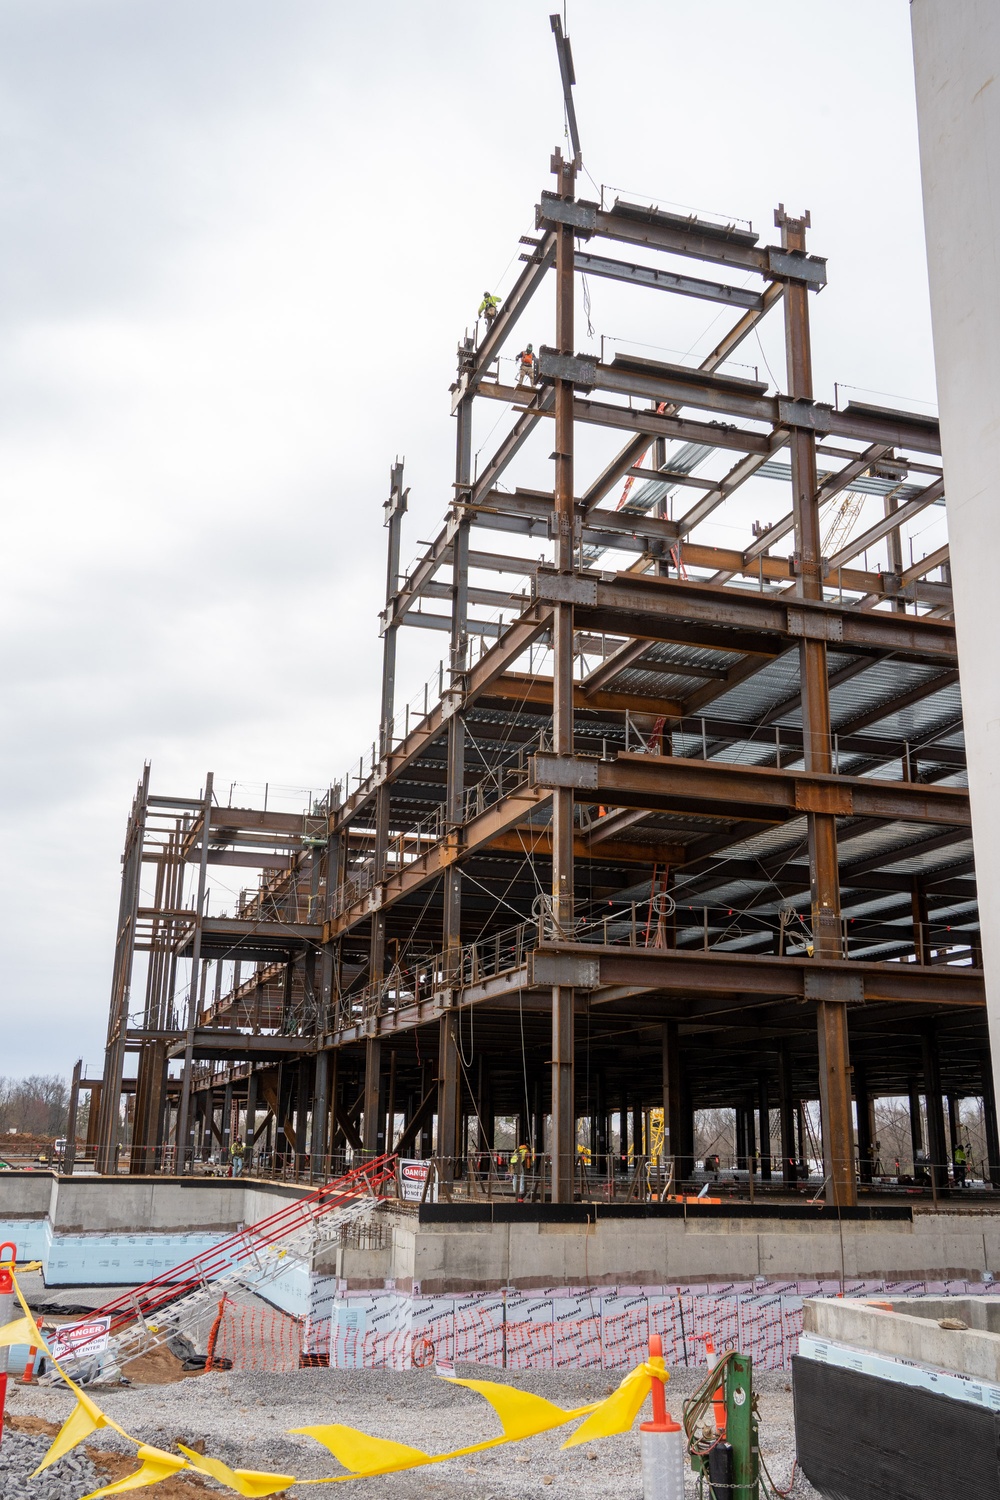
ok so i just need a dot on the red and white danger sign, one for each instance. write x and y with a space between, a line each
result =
413 1178
85 1338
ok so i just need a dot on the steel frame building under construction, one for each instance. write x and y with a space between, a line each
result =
684 827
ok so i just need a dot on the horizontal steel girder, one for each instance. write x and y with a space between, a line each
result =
667 281
481 830
705 614
587 966
699 239
669 783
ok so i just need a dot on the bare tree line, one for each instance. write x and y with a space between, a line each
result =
38 1105
715 1133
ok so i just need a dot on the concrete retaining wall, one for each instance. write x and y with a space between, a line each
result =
453 1248
126 1230
454 1257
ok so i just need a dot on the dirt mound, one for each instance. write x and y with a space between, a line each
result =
18 1423
157 1366
117 1465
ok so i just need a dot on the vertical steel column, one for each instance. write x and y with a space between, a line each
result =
894 547
751 1132
395 508
953 1105
764 1110
921 928
448 1069
390 1107
672 1096
990 1119
831 1015
69 1155
563 1031
250 1128
226 1142
303 1100
94 1116
109 1123
862 1105
184 1121
786 1110
320 1116
937 1148
916 1124
370 1103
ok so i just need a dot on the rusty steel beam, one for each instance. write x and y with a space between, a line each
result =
667 609
562 913
831 1012
856 982
538 841
672 783
438 858
938 559
888 523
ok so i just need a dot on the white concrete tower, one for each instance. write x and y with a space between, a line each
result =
956 49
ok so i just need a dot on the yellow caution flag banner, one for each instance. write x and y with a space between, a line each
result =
154 1466
619 1411
243 1481
24 1331
84 1419
522 1415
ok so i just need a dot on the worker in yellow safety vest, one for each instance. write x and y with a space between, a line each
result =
520 1161
959 1161
488 309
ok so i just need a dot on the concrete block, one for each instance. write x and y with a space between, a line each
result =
969 1351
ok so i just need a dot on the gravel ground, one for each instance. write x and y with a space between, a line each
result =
243 1419
21 1453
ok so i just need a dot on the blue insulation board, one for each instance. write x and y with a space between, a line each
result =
101 1259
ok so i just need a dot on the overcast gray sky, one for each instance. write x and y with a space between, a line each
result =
239 241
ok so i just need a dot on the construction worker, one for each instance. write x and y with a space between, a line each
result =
526 366
236 1151
488 309
959 1163
520 1161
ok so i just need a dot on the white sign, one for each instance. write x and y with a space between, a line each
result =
85 1338
413 1178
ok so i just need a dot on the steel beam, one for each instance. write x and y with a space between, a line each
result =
682 783
563 586
667 281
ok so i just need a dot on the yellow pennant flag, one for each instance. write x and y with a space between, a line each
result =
363 1454
521 1414
155 1465
84 1419
617 1413
24 1331
244 1481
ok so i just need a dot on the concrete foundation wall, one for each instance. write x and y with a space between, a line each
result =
452 1249
441 1257
101 1205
